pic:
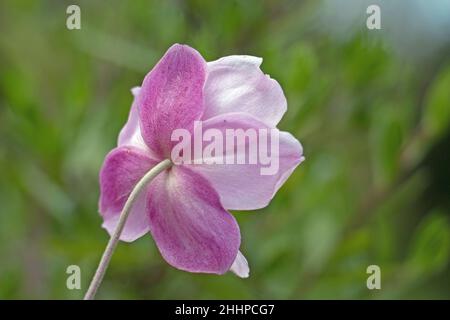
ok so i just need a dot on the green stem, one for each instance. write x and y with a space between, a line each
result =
112 244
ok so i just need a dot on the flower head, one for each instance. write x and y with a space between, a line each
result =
185 206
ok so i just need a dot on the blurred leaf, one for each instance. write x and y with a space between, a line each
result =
430 249
387 141
436 116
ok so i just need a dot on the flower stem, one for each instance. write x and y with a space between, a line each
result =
107 254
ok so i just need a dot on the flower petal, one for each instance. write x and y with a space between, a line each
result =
131 133
137 222
122 169
243 186
240 266
237 84
191 229
171 97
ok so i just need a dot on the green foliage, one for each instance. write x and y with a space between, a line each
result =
437 112
430 246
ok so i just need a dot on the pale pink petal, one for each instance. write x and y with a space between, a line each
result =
240 266
243 186
171 97
190 227
237 84
122 169
130 135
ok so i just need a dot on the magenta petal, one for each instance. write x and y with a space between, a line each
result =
237 84
191 229
242 186
137 222
122 169
171 97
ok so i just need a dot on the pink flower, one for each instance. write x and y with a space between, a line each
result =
185 207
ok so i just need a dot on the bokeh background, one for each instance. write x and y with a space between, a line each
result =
372 109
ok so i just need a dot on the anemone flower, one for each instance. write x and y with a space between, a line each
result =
183 205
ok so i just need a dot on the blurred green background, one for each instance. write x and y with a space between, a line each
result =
371 108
